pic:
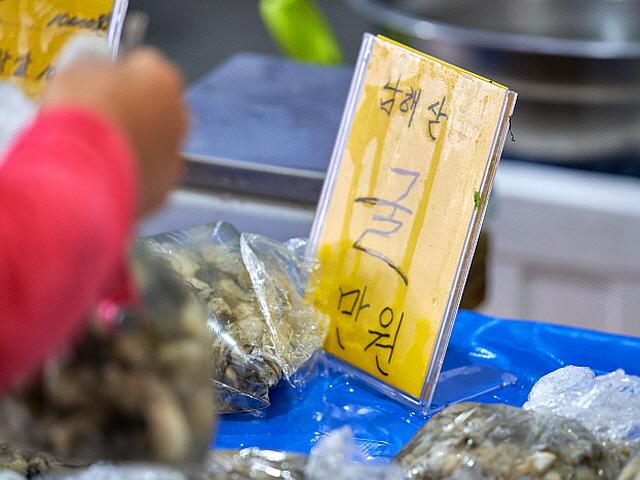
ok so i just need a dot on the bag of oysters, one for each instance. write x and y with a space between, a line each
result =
135 388
253 292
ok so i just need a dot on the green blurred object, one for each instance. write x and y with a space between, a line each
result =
301 31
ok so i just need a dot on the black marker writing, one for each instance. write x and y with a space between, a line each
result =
436 109
384 338
387 225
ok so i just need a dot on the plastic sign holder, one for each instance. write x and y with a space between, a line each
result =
401 212
33 33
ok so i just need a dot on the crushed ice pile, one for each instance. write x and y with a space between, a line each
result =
608 405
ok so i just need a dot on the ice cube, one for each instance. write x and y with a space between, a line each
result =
608 405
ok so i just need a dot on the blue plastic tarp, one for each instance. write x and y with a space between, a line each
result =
381 426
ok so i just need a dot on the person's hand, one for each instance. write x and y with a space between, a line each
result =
143 96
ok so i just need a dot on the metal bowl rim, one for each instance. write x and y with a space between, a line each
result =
424 29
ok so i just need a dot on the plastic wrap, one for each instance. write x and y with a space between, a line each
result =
335 457
338 458
136 387
252 289
608 405
478 441
255 464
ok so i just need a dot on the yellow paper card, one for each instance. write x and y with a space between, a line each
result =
33 32
402 208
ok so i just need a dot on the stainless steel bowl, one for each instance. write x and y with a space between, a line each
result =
574 63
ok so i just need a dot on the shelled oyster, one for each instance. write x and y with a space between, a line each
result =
137 388
475 441
262 328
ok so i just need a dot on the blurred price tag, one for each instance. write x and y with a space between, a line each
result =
401 211
32 34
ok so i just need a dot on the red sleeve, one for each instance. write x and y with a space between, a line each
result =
67 209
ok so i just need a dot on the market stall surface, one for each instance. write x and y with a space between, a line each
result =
488 350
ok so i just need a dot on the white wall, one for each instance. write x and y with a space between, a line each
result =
565 248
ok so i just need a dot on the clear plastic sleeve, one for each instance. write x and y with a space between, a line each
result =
136 387
33 34
394 331
252 289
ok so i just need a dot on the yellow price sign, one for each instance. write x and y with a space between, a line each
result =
401 211
32 34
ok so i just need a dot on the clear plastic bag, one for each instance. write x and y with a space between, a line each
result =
136 387
253 292
255 464
279 275
337 457
476 442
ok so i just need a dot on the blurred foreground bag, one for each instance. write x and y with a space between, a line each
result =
136 387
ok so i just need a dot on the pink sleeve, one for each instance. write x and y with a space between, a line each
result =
67 210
